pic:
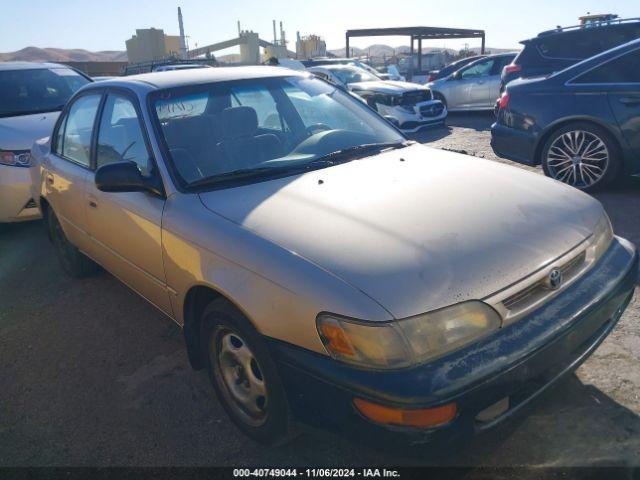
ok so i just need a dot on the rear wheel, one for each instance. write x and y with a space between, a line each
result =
244 375
581 155
73 262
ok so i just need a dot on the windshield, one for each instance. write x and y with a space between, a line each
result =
29 91
353 75
258 129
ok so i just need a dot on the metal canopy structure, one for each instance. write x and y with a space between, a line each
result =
416 33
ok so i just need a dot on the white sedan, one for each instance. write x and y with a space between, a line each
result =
409 106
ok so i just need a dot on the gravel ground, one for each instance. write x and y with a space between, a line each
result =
93 375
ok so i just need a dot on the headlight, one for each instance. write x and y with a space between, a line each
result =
15 159
403 343
602 237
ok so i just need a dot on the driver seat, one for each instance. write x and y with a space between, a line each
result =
241 146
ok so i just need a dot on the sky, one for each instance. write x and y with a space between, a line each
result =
82 24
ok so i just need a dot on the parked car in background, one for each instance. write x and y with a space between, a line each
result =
179 66
326 269
390 72
558 49
475 86
409 106
451 68
31 97
582 124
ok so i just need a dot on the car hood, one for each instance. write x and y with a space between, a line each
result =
416 229
19 133
386 86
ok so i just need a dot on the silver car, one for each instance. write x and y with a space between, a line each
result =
409 106
475 86
31 97
323 267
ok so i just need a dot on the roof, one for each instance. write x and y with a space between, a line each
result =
197 76
29 65
418 32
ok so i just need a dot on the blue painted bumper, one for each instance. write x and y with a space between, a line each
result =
512 144
520 361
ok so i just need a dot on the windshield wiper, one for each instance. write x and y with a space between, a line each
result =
241 174
355 152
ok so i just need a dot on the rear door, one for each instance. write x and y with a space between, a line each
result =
621 78
68 167
125 227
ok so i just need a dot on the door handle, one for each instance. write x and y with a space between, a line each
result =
93 204
630 101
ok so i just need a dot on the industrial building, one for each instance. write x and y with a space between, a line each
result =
150 44
310 46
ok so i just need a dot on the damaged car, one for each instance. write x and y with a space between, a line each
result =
323 268
409 106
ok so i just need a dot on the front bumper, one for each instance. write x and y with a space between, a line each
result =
16 203
512 144
520 362
424 114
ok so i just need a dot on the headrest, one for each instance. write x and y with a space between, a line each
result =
239 122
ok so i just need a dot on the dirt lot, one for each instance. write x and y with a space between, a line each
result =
93 375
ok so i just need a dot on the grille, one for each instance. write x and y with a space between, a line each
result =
431 110
522 300
411 98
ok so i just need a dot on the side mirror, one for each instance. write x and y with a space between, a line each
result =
123 177
456 76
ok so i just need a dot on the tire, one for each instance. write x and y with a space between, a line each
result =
244 375
582 155
74 262
439 96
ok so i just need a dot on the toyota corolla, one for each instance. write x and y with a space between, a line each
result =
324 268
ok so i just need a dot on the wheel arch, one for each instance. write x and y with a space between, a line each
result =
196 300
555 126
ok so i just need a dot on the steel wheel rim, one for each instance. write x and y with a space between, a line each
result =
240 376
578 158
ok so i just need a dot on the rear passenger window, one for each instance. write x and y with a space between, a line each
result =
76 140
120 137
624 69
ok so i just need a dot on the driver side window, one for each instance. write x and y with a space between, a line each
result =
482 69
120 137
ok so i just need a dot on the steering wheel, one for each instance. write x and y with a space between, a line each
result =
317 127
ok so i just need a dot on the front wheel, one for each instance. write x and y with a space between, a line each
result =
244 375
581 155
439 96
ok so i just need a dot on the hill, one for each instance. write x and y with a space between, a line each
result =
36 54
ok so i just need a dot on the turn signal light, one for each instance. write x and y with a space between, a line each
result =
337 339
420 417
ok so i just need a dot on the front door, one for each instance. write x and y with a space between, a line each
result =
125 228
476 80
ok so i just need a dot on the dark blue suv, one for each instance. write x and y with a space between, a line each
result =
557 49
581 124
